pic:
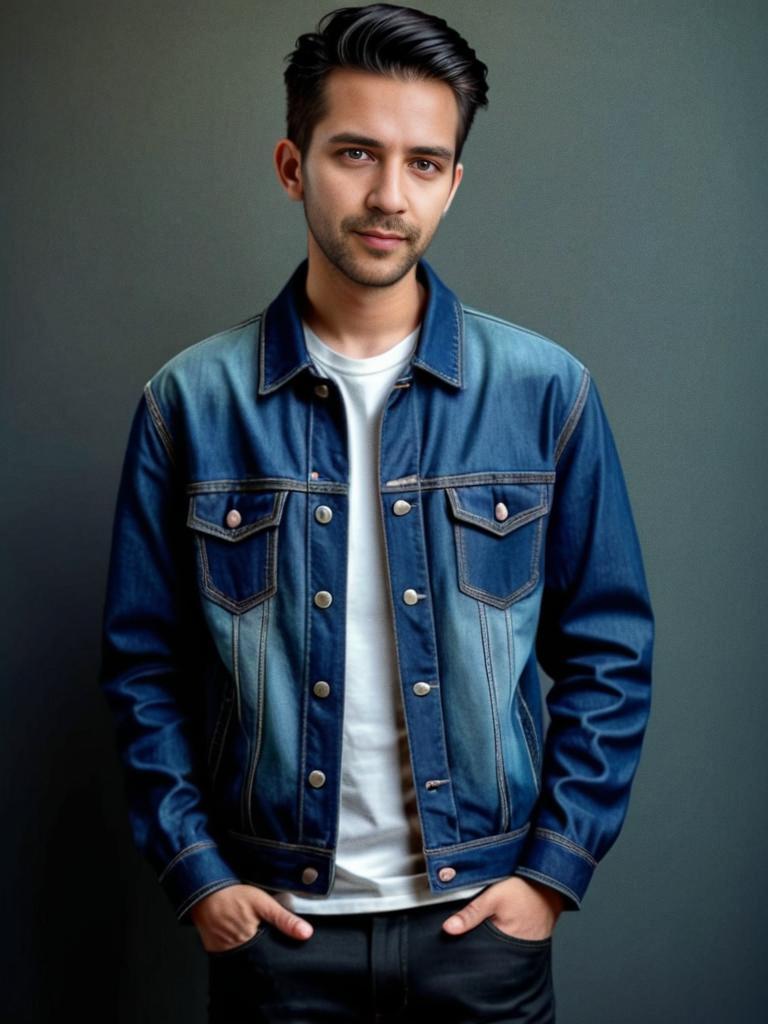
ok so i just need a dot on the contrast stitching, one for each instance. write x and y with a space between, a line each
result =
238 533
318 851
183 853
525 719
211 591
267 483
499 757
526 515
467 479
555 837
159 422
555 883
573 417
483 595
498 840
199 893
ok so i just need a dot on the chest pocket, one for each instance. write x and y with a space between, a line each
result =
498 529
236 535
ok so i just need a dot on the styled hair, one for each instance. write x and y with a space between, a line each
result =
389 40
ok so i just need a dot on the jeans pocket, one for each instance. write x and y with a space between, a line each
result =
234 950
527 945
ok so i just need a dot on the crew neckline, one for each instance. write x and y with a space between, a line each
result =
399 353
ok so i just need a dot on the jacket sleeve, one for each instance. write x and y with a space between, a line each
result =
595 642
147 672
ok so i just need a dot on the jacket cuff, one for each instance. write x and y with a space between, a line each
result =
195 872
555 860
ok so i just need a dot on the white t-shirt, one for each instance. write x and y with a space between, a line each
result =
379 863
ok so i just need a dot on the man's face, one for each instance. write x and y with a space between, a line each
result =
380 163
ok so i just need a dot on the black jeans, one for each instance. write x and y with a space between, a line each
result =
396 965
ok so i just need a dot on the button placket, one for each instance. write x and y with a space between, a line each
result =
327 470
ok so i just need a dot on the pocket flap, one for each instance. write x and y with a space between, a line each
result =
499 508
233 515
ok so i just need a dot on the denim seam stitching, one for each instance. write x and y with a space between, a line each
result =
266 483
483 595
204 890
468 479
555 837
573 416
159 423
500 767
555 883
276 843
521 518
500 839
201 845
197 522
432 652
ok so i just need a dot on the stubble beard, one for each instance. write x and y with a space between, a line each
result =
337 247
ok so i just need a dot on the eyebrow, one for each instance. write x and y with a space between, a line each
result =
364 140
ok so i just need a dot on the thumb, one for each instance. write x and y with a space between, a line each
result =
270 909
469 916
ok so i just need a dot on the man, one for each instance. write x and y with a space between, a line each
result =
346 530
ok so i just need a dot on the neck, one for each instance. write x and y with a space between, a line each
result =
360 320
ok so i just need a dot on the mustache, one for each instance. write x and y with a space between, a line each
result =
390 227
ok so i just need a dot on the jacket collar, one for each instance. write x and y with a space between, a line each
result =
283 352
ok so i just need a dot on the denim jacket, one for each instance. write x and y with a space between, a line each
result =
509 541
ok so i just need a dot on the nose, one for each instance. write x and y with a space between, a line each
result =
387 193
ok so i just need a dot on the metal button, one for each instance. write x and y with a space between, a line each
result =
321 688
309 875
323 598
446 874
317 779
233 518
421 689
321 390
323 514
501 511
401 507
410 596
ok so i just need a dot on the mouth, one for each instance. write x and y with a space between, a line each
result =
380 240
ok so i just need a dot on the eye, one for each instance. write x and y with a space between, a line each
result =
426 166
354 154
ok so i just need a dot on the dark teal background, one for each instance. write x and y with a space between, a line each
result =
614 200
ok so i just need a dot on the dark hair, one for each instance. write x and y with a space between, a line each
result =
389 40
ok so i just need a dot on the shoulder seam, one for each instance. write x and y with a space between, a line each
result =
574 415
160 425
518 327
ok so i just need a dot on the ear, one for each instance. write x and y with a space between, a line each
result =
287 159
458 174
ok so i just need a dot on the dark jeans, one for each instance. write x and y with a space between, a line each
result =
396 965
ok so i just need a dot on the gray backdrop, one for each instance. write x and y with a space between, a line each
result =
613 201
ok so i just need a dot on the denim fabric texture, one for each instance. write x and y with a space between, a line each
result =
509 541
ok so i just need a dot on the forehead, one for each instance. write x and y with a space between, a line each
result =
395 110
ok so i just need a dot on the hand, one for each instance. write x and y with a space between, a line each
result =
232 915
518 907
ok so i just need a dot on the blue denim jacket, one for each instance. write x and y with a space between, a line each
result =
509 539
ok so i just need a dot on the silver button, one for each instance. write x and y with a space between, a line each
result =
410 596
323 598
323 514
421 689
308 875
321 390
501 511
321 688
401 507
233 518
317 779
446 874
